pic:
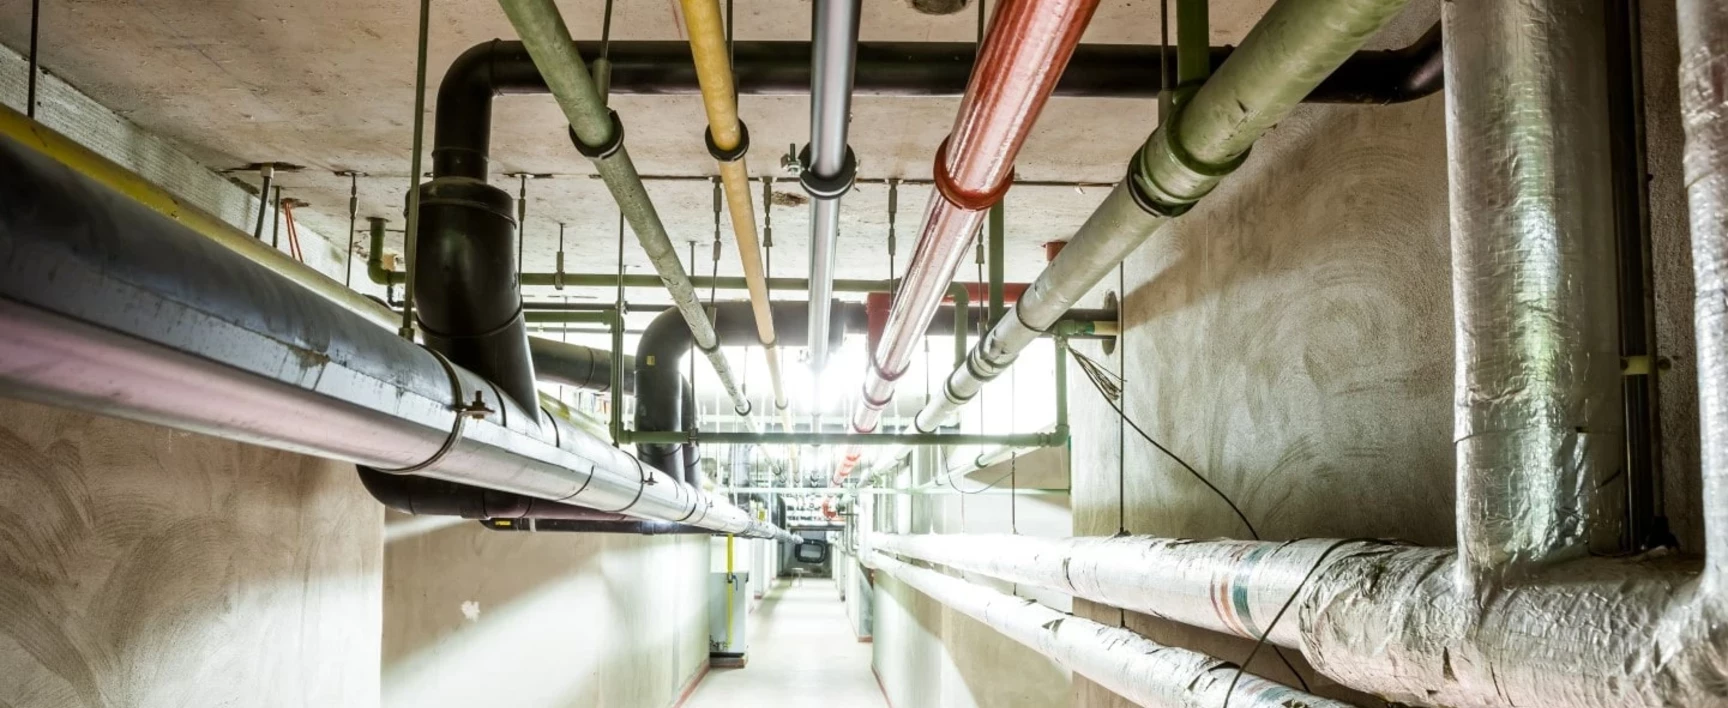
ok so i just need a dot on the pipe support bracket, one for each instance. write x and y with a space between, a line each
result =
827 186
736 153
601 152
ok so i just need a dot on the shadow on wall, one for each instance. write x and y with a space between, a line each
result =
474 616
141 567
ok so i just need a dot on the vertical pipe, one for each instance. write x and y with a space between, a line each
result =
1704 112
1193 43
35 66
353 215
829 166
998 250
1537 400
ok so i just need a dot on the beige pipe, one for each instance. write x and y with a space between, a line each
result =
714 75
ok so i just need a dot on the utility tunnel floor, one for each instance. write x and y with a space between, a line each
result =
802 653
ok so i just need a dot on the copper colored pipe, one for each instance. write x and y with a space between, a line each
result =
1027 47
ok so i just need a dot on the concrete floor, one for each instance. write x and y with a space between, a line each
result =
802 653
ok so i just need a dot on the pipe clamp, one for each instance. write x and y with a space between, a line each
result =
737 152
476 410
970 201
601 152
833 186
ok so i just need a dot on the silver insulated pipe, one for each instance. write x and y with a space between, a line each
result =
1704 112
1537 400
110 308
828 166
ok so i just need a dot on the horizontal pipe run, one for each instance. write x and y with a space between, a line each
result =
862 439
213 343
1128 664
940 69
644 527
1388 619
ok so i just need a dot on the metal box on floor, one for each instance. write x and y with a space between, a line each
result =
728 618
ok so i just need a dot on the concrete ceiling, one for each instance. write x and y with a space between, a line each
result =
328 84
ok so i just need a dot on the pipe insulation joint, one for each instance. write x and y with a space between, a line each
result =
1166 180
831 186
970 201
607 149
736 153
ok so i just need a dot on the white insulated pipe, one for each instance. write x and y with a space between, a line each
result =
1134 667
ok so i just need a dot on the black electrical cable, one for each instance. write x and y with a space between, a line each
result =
1258 643
35 66
1090 366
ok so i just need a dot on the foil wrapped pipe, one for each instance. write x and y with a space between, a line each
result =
1130 665
1704 113
1393 620
213 343
1537 403
1294 47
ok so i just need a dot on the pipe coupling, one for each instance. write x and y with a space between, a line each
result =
737 152
831 186
603 151
970 201
1165 180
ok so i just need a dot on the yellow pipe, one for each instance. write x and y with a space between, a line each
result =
714 75
729 583
86 162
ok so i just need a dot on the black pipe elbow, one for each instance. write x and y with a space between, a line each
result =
425 496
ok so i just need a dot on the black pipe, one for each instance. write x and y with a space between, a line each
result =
469 305
646 527
426 496
464 108
659 407
579 366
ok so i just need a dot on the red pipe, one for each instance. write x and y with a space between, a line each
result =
1024 53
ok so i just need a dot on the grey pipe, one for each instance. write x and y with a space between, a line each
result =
828 165
1704 111
216 344
599 135
1538 398
1288 53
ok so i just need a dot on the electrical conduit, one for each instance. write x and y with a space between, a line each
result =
599 136
828 165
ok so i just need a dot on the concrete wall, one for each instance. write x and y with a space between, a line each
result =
480 617
148 568
1292 339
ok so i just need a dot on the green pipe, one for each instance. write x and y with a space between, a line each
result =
600 137
375 270
1193 45
807 438
535 317
1061 387
998 250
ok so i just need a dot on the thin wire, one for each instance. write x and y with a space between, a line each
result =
1090 367
521 223
1241 667
1121 423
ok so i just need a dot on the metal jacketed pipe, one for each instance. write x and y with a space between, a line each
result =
1128 664
1023 55
1288 53
828 165
728 140
210 342
599 136
1704 113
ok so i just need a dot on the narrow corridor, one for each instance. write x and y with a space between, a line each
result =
802 653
